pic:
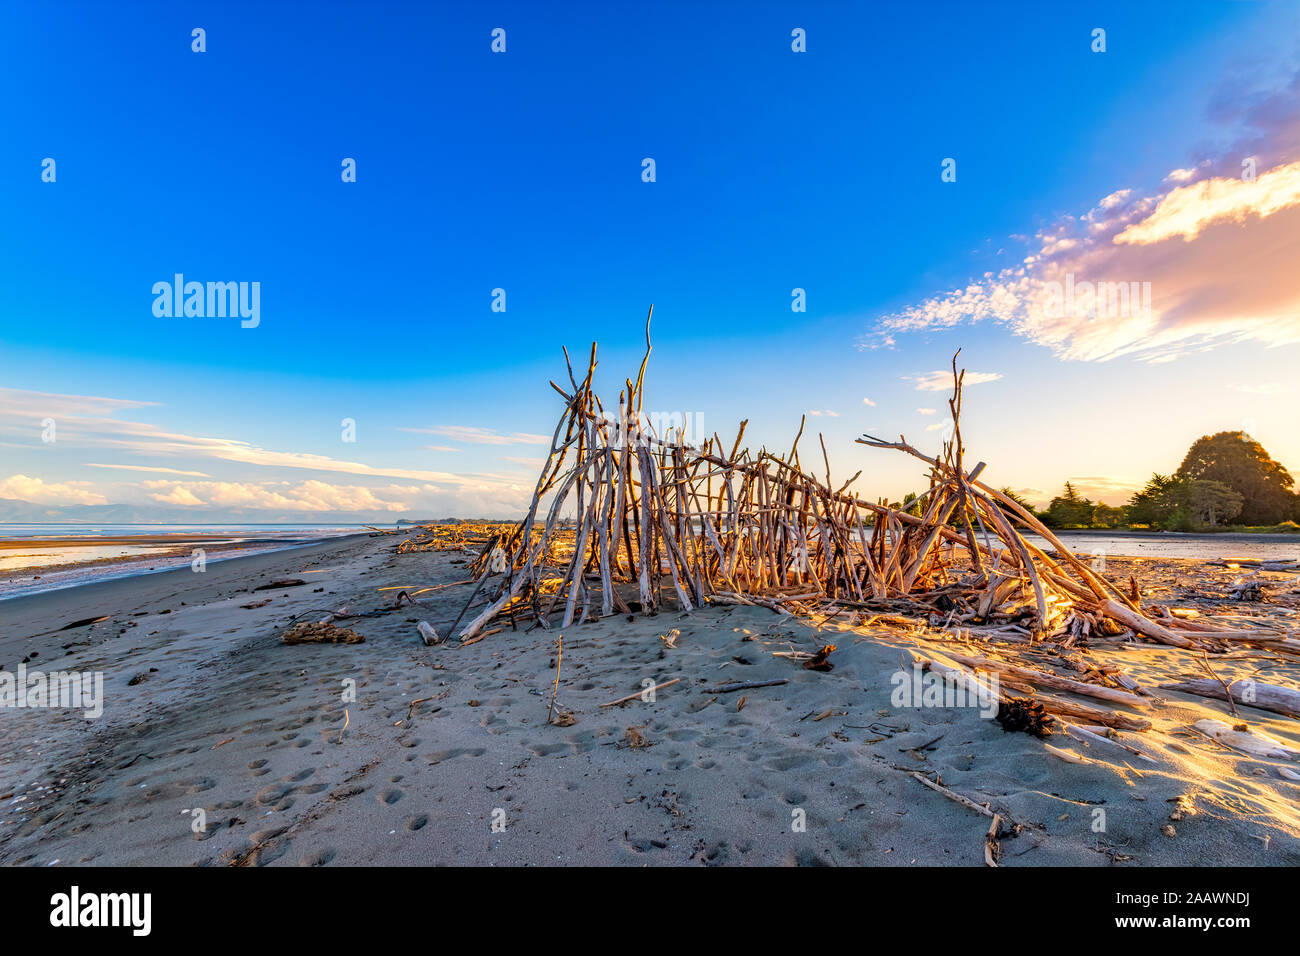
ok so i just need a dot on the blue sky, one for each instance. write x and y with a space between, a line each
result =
522 171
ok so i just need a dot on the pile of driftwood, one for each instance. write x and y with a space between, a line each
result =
460 536
629 521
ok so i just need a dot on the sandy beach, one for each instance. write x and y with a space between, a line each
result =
444 754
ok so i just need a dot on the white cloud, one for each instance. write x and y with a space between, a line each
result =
1188 211
40 492
310 495
941 380
277 498
925 411
1229 278
1212 255
867 401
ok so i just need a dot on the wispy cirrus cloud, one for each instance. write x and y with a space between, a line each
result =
481 436
24 403
155 469
90 422
941 381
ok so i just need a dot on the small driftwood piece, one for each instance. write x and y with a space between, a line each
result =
1251 742
745 685
953 795
1251 693
1087 736
640 695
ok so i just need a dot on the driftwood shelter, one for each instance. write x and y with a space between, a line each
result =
624 520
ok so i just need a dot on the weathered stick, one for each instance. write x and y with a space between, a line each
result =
640 695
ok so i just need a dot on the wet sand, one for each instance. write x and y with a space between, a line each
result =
35 564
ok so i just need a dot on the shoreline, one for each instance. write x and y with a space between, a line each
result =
65 575
1277 537
174 555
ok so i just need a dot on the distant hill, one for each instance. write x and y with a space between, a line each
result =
14 511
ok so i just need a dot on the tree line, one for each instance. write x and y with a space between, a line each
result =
1225 479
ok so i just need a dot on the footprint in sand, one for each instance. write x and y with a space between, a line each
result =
197 786
546 750
782 764
271 794
589 740
417 822
494 724
441 755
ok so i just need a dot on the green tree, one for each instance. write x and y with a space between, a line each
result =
1107 516
1017 498
1069 509
1157 503
1211 502
1238 461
